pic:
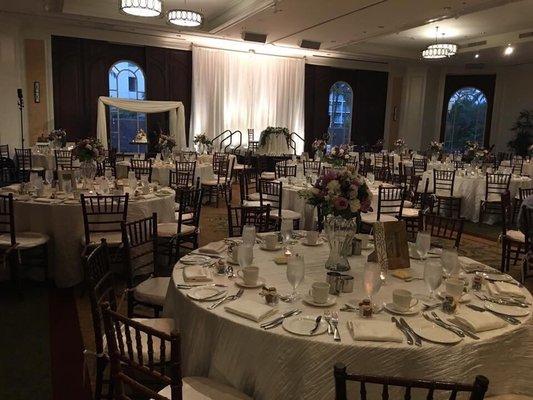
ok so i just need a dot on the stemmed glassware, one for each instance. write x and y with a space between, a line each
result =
286 233
450 262
248 234
432 277
49 176
423 244
295 274
372 280
245 255
371 178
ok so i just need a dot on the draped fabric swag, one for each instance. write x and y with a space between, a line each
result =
175 111
237 91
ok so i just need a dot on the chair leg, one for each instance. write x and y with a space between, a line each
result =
99 379
504 256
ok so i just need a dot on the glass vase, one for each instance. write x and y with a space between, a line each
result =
202 148
88 170
340 232
319 154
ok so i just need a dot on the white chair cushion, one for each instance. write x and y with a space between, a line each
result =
517 236
152 290
494 198
288 214
113 239
251 203
238 166
407 204
185 217
169 229
200 388
254 196
370 218
410 212
25 240
268 175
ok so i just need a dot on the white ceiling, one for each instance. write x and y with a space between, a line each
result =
371 29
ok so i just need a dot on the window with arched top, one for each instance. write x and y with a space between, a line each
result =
340 113
466 117
126 81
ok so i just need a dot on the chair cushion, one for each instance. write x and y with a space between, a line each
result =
251 203
200 388
152 291
370 218
238 167
25 240
212 182
494 198
113 238
288 214
254 196
268 175
410 212
517 236
185 217
170 229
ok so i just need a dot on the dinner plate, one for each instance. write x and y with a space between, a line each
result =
432 332
206 293
303 325
278 247
512 311
497 276
195 259
412 311
260 282
329 302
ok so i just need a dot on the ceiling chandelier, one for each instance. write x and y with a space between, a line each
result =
184 17
141 8
439 50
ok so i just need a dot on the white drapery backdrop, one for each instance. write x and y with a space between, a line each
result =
175 110
237 91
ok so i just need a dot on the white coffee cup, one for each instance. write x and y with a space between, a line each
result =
249 275
454 287
271 241
403 300
319 292
311 238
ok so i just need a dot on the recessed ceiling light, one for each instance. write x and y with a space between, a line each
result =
508 50
476 55
141 8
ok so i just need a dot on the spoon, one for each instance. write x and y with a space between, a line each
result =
317 324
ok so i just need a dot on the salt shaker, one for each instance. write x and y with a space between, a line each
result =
477 281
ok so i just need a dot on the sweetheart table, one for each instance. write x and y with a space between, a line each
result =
275 364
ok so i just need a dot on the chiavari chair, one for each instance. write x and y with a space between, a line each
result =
284 170
63 159
458 165
495 185
4 150
312 167
249 188
108 164
441 227
141 167
263 168
475 390
221 183
8 172
239 216
513 241
188 155
140 353
390 206
523 193
378 160
183 174
420 165
443 186
23 159
271 192
8 244
517 166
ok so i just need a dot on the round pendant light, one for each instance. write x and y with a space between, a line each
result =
439 50
141 8
185 18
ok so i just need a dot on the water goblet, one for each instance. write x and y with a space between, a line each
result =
423 244
286 232
450 262
372 280
432 278
248 234
49 176
295 274
245 255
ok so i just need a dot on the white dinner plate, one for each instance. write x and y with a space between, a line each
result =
512 311
278 247
497 276
307 298
239 282
433 332
206 293
319 242
412 311
195 259
303 325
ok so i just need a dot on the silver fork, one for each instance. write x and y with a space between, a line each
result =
335 323
327 317
226 298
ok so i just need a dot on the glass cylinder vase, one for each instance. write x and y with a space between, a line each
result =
340 231
88 170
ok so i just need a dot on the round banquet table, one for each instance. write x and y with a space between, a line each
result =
63 222
275 364
160 171
527 167
472 191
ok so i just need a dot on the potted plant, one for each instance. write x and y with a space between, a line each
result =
523 128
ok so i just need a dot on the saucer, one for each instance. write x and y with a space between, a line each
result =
303 325
278 247
206 293
239 282
512 311
432 332
412 311
319 242
307 298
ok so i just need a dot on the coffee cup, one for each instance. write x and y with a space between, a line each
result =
403 300
271 242
249 275
319 292
454 287
311 238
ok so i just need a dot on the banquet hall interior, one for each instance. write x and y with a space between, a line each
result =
266 199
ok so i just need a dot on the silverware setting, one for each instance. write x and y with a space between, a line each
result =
335 323
512 282
278 321
465 330
317 324
327 317
418 339
442 324
226 298
506 318
403 330
507 301
185 286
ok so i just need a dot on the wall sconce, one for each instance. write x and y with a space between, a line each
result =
36 92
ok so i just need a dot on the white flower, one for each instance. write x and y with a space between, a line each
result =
355 205
334 186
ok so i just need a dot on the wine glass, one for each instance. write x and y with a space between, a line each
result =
248 234
450 262
49 176
432 277
423 244
286 232
372 280
295 274
371 178
245 255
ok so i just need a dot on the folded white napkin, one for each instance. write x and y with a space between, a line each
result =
147 196
479 321
44 200
249 309
213 248
470 265
376 331
197 273
504 289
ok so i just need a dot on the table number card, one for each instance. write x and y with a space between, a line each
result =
391 248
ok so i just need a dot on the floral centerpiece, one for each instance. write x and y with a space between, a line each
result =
57 135
470 150
165 144
203 142
435 148
399 145
271 130
338 155
88 151
140 137
341 195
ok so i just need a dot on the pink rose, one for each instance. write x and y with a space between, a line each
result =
341 203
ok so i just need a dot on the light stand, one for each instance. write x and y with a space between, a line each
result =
21 106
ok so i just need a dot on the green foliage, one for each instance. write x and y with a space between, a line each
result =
523 139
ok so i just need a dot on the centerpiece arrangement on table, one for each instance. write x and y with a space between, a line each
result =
319 146
338 155
341 195
165 144
88 151
203 142
435 149
475 154
57 138
399 146
274 141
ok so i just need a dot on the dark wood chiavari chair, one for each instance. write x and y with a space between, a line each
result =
221 184
441 227
513 241
495 185
108 164
271 192
458 165
477 390
102 218
390 206
147 286
420 165
63 159
311 167
8 172
141 167
24 162
183 174
443 185
249 188
4 150
238 216
523 193
284 170
517 166
8 244
378 160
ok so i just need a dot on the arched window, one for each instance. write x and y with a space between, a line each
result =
126 81
466 116
340 113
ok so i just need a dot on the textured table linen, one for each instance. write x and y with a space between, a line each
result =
527 167
160 171
275 145
275 364
64 224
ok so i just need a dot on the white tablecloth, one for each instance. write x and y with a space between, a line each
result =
275 145
275 364
160 171
64 224
527 168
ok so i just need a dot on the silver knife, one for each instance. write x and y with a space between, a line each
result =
465 330
418 340
443 325
279 319
403 330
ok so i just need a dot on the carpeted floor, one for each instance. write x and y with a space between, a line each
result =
42 336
